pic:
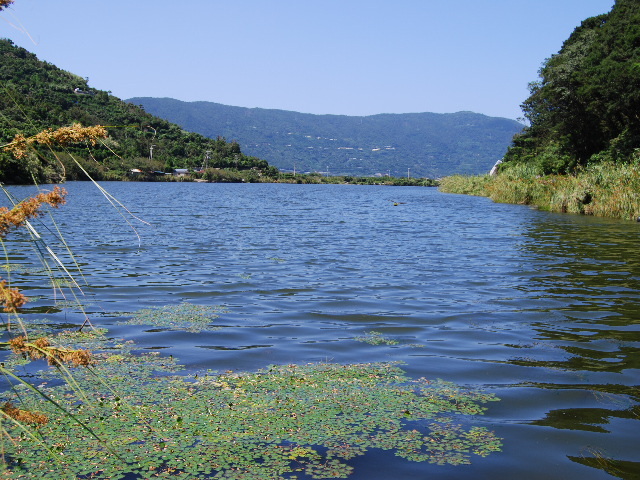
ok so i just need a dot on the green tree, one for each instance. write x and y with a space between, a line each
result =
585 105
35 95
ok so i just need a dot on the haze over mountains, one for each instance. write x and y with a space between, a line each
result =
416 144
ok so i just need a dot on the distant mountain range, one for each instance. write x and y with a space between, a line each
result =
416 144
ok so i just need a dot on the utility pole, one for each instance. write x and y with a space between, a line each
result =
151 146
408 175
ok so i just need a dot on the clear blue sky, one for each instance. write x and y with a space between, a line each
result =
351 57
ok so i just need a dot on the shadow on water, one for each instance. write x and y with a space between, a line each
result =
586 276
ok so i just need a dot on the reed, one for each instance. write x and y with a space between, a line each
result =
603 189
466 185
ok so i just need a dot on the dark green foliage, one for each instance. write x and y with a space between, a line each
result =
36 95
585 106
429 144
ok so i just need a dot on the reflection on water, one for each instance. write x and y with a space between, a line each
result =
541 309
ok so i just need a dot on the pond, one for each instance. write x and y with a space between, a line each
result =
541 310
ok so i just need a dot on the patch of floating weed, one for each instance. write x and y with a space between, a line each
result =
62 282
92 339
35 328
184 316
376 338
274 423
71 304
18 268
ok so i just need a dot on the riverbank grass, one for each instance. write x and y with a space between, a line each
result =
604 190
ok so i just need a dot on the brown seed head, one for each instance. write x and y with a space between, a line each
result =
11 298
63 136
24 416
18 215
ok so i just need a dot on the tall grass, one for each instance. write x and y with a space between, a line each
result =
603 189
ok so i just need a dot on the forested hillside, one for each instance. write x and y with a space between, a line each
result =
36 95
581 151
585 108
425 144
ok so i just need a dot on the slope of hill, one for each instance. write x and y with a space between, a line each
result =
36 95
584 107
425 144
581 151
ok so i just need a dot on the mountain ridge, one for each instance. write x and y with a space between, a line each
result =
425 143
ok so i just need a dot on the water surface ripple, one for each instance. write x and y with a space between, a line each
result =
541 309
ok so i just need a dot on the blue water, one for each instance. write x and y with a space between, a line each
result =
541 309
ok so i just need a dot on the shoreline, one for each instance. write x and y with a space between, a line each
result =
602 190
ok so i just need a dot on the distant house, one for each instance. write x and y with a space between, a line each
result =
180 171
134 172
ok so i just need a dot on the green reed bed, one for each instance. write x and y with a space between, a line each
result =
606 189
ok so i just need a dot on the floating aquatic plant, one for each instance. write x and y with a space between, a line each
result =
19 268
283 420
183 316
376 338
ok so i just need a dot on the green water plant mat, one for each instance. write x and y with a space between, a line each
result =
138 416
183 316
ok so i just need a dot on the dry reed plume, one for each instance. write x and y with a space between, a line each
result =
24 416
76 133
10 298
18 215
42 348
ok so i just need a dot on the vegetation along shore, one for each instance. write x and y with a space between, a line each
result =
581 150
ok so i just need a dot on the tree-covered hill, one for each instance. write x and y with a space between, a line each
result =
585 108
428 144
36 95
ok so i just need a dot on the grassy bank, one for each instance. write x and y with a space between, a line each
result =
605 190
